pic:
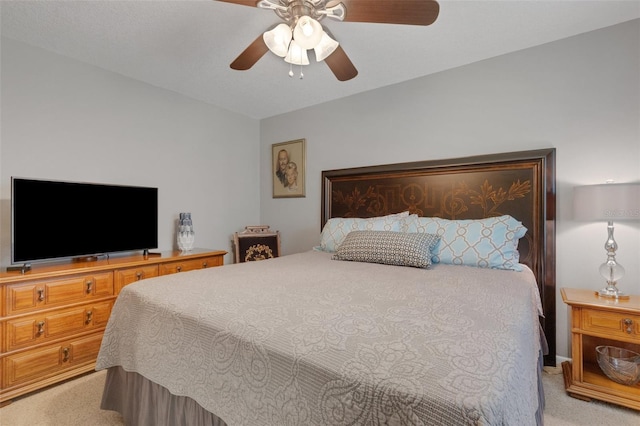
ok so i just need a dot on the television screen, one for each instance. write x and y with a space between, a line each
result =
53 219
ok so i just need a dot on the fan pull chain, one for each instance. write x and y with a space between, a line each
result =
291 71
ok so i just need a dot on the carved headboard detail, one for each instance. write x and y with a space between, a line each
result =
520 184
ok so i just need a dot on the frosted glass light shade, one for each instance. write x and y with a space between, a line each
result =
296 54
326 47
607 202
308 32
278 39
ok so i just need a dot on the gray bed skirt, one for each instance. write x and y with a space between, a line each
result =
142 402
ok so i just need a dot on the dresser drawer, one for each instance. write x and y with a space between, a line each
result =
190 265
34 295
44 362
123 277
611 323
65 322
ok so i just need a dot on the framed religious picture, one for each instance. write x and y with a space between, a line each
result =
288 163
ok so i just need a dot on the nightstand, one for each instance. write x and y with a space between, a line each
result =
599 321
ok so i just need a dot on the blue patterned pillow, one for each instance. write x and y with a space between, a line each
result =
337 228
388 247
486 243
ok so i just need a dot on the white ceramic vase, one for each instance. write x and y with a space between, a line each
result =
186 236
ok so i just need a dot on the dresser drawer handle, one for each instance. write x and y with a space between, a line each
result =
204 264
40 330
139 275
40 294
89 317
89 286
628 322
65 354
179 268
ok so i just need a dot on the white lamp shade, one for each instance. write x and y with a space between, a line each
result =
308 32
607 202
296 54
326 47
278 39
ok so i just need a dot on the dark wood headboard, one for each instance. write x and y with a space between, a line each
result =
520 184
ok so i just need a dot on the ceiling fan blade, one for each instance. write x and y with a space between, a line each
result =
251 55
252 3
409 12
341 65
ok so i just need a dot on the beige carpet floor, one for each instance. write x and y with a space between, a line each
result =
77 402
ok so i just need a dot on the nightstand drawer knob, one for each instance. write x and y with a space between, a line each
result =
628 323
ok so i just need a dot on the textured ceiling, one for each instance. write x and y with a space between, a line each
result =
186 46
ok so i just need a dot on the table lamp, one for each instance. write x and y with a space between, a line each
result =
608 202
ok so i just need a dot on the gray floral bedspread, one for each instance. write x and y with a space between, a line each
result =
306 340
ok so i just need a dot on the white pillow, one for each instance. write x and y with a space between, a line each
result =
337 228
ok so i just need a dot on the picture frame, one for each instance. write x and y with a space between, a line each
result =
256 243
288 163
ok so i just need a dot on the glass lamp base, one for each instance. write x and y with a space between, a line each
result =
612 292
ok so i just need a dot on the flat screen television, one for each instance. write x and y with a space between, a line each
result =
56 219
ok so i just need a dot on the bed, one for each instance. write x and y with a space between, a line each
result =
307 339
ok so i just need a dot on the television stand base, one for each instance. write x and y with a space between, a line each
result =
82 259
146 253
23 269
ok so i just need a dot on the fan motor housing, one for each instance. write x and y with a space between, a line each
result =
298 8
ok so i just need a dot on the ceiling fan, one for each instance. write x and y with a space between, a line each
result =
301 30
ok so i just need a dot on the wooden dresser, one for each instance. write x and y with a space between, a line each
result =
53 317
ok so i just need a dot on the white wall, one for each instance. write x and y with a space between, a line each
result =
66 120
580 95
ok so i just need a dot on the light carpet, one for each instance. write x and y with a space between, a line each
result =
77 402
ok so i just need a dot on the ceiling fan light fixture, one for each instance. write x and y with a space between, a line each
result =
325 48
297 55
278 39
307 32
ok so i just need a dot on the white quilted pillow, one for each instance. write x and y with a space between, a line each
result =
337 228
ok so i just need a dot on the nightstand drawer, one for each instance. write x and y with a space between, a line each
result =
614 324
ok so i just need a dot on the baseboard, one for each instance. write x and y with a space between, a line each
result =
558 368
